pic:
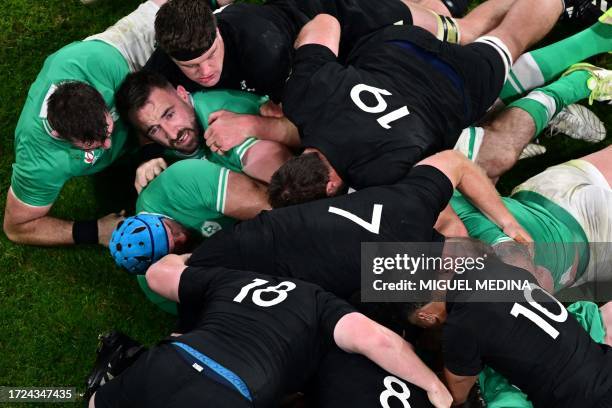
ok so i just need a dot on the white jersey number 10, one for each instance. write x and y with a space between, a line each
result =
519 309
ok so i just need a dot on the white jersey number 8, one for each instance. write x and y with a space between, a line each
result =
281 294
391 392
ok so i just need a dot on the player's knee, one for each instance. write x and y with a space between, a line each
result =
12 231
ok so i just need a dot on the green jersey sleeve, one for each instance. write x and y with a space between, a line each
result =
476 223
192 192
207 102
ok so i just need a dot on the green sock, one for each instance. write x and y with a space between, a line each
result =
542 104
542 65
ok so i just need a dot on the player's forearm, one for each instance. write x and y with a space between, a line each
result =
263 159
45 231
396 356
279 130
459 386
477 187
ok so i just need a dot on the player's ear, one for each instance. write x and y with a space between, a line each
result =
331 189
182 92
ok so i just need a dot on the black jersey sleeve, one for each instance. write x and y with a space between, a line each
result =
220 250
433 186
312 80
331 310
461 350
194 290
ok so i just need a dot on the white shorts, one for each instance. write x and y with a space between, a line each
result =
579 188
133 35
469 142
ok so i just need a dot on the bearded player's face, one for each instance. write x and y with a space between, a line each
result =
168 118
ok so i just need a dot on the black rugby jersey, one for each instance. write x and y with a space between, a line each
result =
258 50
539 347
271 332
351 380
393 103
320 241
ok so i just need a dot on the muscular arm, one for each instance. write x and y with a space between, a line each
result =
355 333
459 386
163 276
25 224
323 30
476 186
245 197
263 159
228 129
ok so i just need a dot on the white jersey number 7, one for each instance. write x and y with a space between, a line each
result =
372 226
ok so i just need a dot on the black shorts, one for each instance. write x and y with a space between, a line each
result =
161 378
351 380
476 70
483 71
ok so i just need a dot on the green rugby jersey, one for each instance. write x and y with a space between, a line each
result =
193 193
42 163
207 102
563 239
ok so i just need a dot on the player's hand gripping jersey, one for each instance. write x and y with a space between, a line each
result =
320 241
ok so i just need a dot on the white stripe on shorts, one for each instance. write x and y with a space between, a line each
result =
501 49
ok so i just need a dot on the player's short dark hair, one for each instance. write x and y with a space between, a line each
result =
135 91
301 179
185 28
77 112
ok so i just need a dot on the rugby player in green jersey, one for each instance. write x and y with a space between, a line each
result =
181 121
69 127
191 200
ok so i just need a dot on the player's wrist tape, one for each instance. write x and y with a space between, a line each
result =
85 232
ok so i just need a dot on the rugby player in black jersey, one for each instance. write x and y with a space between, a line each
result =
250 46
401 95
533 342
248 339
320 241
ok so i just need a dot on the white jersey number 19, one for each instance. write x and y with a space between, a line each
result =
380 106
